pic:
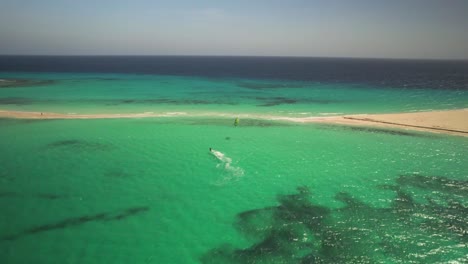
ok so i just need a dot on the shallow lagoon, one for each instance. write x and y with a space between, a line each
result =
149 190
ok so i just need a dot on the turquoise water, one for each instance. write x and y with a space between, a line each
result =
150 191
126 93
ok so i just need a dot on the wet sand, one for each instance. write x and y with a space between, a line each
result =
453 122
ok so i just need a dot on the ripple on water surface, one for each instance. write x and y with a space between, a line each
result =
135 190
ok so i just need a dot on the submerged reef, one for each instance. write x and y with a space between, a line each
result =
16 101
166 101
45 196
281 100
77 221
386 131
424 228
376 130
77 144
264 86
12 83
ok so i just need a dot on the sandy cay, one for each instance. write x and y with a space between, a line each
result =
454 122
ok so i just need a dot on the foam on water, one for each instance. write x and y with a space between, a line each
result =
231 172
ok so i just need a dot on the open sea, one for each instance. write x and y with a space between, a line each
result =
149 190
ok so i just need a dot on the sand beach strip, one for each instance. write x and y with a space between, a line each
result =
453 122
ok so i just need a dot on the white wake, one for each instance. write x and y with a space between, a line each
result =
226 165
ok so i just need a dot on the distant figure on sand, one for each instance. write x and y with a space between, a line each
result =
236 121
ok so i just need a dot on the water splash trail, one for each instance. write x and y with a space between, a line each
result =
226 165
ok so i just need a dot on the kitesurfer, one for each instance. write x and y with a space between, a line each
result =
236 121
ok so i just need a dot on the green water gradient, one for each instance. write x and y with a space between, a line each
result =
150 191
126 93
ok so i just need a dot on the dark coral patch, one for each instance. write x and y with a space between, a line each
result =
12 83
80 145
78 221
387 131
16 101
299 231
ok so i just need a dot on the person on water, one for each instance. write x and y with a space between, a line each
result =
211 149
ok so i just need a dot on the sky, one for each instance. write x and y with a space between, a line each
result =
428 29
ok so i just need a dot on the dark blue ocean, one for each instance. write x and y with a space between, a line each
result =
433 74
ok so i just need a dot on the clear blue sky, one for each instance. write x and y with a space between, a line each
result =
324 28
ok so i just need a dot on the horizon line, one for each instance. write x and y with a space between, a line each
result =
229 56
